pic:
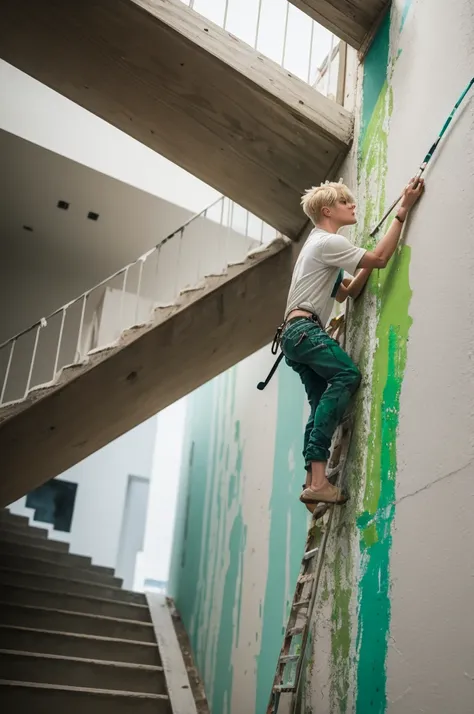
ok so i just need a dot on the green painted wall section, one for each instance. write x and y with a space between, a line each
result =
405 11
389 298
209 578
215 540
375 523
375 74
288 529
359 584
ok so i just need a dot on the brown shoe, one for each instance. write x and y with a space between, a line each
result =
327 494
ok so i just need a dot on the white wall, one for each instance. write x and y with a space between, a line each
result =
102 482
154 562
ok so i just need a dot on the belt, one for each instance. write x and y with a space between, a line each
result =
312 317
277 339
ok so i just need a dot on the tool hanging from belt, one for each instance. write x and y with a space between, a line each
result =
275 345
335 325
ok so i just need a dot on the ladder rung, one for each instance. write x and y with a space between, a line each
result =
284 688
305 578
301 603
310 553
289 658
292 632
333 471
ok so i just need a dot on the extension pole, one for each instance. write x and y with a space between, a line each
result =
427 158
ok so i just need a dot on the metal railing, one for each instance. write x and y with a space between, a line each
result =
219 236
283 33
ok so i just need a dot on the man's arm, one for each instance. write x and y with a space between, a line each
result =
384 249
353 287
379 257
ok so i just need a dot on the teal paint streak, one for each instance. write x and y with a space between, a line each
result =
283 503
199 634
375 74
405 11
224 671
211 582
375 606
201 404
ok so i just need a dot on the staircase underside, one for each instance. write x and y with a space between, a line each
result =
189 90
354 21
152 366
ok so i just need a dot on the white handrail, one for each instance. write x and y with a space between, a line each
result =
139 290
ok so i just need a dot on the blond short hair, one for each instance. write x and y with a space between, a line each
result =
318 197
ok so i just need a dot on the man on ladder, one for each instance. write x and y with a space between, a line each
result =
330 378
328 374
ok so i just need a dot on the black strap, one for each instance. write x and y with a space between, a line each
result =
276 344
262 385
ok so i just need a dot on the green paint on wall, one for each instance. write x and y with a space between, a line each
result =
391 294
405 11
377 107
223 670
369 534
200 404
374 587
375 74
287 514
210 591
341 631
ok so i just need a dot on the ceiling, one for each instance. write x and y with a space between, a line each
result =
50 255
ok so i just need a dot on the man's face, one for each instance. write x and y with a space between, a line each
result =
344 212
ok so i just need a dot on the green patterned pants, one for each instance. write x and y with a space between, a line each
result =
329 376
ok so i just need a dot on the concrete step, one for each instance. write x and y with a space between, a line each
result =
82 586
36 551
29 539
8 516
44 618
78 672
47 698
73 603
78 645
20 529
93 573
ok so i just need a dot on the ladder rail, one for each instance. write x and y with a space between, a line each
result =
309 615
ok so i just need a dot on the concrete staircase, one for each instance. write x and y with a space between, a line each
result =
210 327
70 637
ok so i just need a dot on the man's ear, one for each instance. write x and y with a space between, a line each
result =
326 211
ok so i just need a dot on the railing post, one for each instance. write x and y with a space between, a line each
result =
33 357
285 36
328 81
139 286
122 298
77 356
56 361
226 12
311 52
7 372
259 17
176 289
341 73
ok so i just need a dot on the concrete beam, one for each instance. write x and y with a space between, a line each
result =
152 367
189 90
354 21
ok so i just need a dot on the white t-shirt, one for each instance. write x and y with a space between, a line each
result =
316 272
